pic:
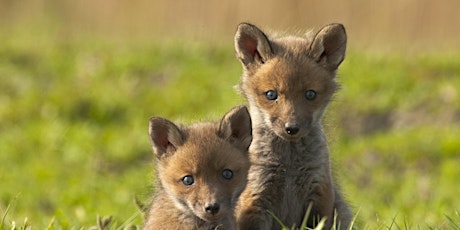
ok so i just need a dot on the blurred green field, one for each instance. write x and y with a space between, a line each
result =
74 115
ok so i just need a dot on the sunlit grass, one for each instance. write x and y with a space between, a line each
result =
74 115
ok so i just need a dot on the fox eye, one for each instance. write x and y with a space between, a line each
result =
227 174
310 95
271 95
188 180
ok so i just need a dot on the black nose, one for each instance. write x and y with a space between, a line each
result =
212 208
292 129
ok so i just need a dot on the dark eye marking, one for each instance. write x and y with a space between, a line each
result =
227 174
188 180
310 95
271 95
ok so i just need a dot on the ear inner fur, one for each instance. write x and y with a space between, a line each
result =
253 46
164 135
236 127
329 45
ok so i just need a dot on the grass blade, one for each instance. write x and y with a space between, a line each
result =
452 222
2 223
305 218
278 220
129 221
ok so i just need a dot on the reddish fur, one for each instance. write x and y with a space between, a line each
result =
289 172
203 151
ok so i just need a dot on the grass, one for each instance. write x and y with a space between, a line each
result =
74 115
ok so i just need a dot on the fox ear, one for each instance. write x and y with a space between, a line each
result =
165 136
252 45
329 45
236 127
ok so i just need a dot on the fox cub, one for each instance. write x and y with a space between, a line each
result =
288 82
202 170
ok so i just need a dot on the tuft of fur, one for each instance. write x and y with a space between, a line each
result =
288 82
202 170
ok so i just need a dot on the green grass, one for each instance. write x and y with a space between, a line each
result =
74 115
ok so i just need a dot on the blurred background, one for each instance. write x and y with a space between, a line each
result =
424 23
79 80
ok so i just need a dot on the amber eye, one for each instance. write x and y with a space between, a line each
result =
227 174
310 95
271 95
188 180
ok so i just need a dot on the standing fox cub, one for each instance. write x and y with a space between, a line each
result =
202 170
288 82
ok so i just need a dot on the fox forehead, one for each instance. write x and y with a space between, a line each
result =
205 159
292 75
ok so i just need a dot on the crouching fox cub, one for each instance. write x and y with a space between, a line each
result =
288 82
202 170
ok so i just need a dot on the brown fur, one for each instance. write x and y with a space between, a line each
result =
290 167
203 151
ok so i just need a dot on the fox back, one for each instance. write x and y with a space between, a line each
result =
288 83
202 170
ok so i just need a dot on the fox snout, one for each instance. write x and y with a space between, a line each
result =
291 128
289 123
212 209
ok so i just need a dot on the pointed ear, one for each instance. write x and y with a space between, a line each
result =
165 136
329 45
252 45
236 127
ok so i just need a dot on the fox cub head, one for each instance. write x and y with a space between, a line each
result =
289 81
204 167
